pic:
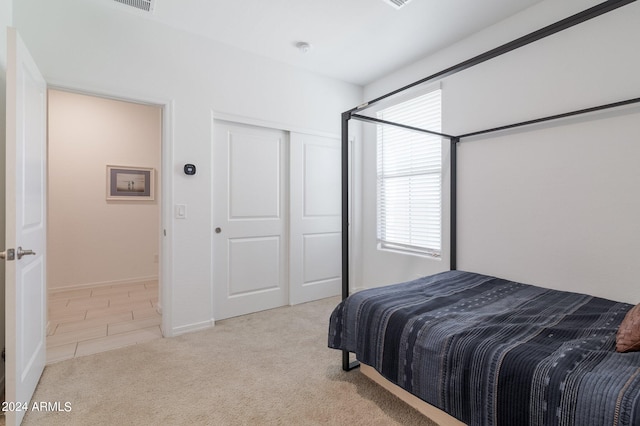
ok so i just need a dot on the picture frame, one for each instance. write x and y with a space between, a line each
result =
130 183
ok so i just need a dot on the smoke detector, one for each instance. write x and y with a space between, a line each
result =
396 4
143 5
303 46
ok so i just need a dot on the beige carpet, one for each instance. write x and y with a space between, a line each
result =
268 368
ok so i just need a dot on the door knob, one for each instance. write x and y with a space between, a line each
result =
20 252
8 254
218 230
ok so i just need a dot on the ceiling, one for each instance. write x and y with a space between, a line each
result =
356 41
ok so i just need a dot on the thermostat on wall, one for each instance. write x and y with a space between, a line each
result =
189 169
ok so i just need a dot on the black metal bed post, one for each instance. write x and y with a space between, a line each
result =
344 153
346 116
453 204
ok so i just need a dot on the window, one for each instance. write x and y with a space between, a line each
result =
409 177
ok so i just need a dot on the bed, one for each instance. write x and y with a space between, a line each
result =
489 351
478 349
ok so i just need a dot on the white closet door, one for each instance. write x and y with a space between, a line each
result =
250 223
315 259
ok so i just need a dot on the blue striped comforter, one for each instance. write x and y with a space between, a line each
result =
494 352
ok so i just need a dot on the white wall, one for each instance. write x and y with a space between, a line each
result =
553 205
89 45
91 240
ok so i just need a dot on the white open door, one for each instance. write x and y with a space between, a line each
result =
25 243
316 238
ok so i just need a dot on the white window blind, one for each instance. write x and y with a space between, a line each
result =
409 177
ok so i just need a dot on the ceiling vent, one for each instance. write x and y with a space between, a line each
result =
396 4
144 5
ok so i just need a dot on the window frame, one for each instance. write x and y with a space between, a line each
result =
434 225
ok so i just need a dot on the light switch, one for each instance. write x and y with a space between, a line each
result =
181 211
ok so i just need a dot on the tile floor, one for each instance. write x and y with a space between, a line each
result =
88 321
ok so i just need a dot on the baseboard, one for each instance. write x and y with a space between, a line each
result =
193 327
103 284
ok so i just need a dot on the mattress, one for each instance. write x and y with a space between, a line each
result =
489 351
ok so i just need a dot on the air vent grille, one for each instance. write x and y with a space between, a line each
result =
145 5
396 4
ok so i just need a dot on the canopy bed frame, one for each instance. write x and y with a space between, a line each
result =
355 114
451 280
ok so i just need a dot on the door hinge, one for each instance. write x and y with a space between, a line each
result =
9 254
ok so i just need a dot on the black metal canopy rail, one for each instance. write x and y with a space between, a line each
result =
561 25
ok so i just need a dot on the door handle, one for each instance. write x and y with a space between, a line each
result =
8 254
20 253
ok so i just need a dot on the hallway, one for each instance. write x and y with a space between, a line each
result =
92 320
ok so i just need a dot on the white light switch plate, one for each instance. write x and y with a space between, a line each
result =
181 211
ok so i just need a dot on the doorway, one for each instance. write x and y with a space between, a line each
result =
103 238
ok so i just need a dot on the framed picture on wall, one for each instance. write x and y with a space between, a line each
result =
129 183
